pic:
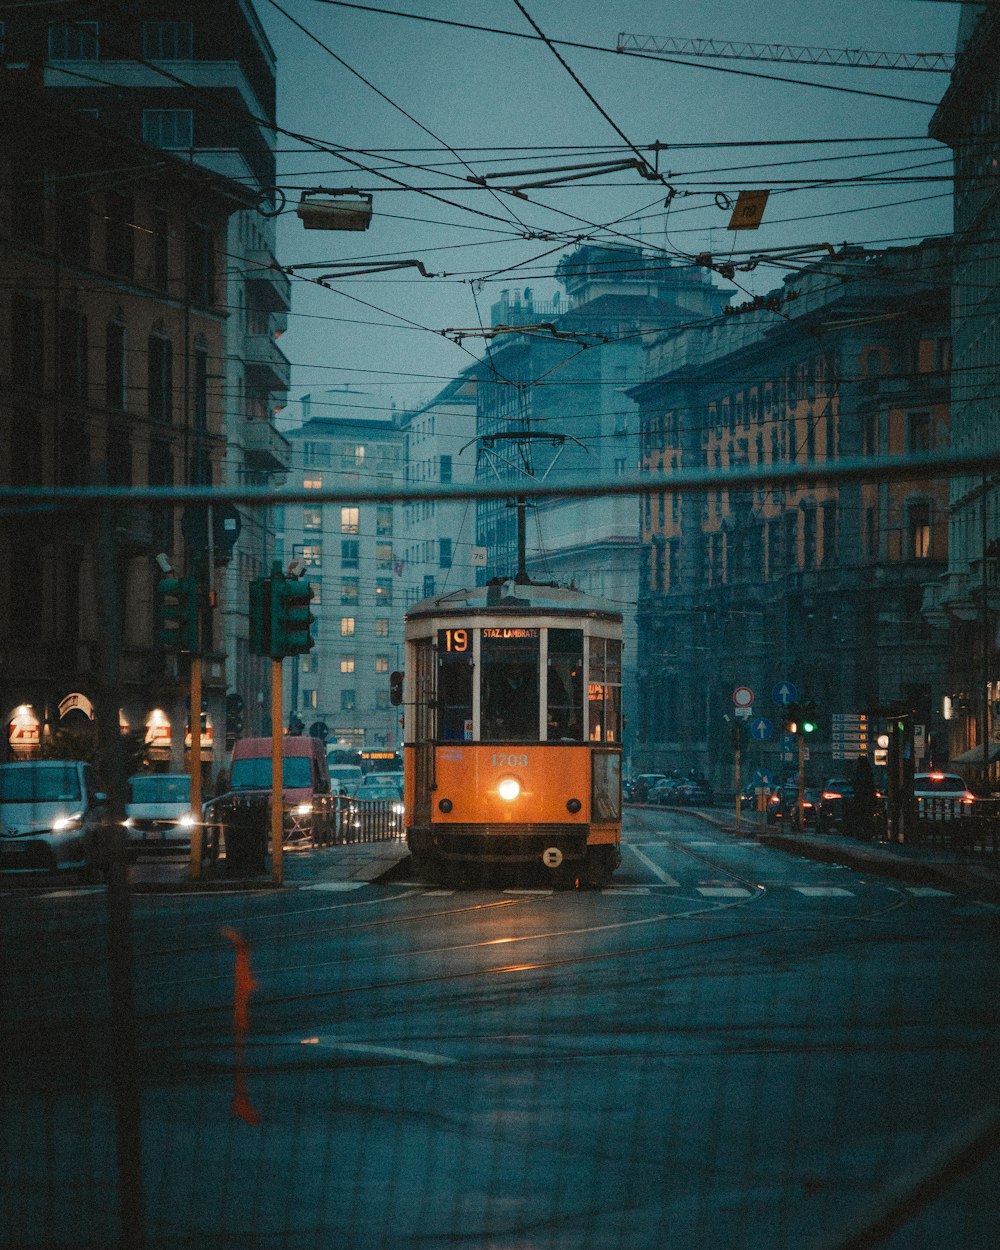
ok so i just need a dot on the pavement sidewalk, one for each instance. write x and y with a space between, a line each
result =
345 864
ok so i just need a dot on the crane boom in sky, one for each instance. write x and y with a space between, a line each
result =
732 49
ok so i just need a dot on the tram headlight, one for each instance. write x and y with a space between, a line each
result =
509 789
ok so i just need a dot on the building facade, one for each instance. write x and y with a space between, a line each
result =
815 588
563 376
113 319
965 602
198 82
352 553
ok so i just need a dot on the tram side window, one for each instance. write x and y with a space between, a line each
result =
509 698
564 696
455 675
604 690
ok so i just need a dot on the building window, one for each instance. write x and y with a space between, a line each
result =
382 627
161 249
312 518
200 382
809 538
312 481
347 627
349 553
381 664
830 532
167 41
920 531
119 234
444 552
115 372
159 394
428 587
383 520
381 700
73 41
918 431
349 590
317 589
310 698
383 590
349 520
445 471
383 555
347 700
73 373
311 554
317 454
307 664
347 663
168 128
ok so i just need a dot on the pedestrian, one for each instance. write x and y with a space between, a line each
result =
861 808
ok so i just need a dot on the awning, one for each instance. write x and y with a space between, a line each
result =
975 756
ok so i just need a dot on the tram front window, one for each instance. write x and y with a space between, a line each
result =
509 709
604 691
565 685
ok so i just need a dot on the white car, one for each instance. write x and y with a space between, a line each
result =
158 813
49 810
942 796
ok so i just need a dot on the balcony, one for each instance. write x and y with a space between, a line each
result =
267 365
264 449
269 288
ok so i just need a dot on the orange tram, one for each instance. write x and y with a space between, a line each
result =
512 728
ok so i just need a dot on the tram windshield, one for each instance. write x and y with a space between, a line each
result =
510 684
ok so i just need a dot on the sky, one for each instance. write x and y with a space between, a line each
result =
404 91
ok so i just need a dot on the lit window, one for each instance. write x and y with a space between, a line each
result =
312 481
349 520
317 589
347 663
347 626
383 590
310 698
383 555
381 664
311 554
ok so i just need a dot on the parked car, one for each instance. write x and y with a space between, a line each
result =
695 792
158 813
373 781
661 793
942 795
834 803
49 812
639 787
345 778
375 811
783 803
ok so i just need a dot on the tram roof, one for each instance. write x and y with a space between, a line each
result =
509 596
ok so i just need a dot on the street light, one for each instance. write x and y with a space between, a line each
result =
329 208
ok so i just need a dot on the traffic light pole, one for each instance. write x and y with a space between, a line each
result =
800 810
277 776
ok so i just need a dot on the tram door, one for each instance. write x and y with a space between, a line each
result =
423 730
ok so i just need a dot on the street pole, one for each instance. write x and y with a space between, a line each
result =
277 775
800 822
737 754
194 719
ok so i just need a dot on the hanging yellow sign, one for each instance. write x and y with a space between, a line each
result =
749 210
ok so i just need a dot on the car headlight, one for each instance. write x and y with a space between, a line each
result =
128 822
509 789
303 809
187 820
398 808
67 822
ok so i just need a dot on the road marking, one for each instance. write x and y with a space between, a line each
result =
438 893
926 891
336 885
626 889
387 1052
704 846
724 891
539 893
657 872
823 891
89 889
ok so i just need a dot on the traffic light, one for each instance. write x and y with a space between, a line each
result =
290 616
395 689
808 720
800 718
179 623
260 616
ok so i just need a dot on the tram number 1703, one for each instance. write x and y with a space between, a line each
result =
509 761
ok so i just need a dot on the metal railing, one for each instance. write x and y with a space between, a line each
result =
972 828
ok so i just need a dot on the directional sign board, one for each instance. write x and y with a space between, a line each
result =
761 728
784 693
849 735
